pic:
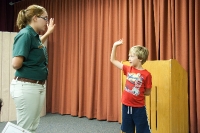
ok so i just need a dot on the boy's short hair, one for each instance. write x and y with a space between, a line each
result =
141 52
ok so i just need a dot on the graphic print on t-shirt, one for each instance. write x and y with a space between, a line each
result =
136 80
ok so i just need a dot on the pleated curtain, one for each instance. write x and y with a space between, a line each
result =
83 82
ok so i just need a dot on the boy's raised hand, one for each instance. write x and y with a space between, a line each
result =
112 56
117 43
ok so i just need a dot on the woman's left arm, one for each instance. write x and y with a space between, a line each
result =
50 29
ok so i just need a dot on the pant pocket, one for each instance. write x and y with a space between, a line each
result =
18 92
15 90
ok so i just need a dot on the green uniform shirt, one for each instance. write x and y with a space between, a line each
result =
28 44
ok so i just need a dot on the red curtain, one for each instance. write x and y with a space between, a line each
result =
83 82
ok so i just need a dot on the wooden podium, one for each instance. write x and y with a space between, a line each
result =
167 106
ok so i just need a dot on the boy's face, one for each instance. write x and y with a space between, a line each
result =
133 60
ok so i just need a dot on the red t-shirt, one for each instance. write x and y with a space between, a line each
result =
136 83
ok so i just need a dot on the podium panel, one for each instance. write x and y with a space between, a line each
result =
167 106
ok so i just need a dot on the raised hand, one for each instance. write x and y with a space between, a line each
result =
117 43
50 26
50 29
113 53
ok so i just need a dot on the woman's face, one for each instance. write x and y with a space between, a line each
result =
42 22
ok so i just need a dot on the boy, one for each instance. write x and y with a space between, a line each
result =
138 84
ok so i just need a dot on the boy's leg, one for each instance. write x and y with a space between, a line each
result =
128 125
141 120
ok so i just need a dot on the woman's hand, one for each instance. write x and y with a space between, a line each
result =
50 26
50 29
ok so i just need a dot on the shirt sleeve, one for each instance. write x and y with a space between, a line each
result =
148 83
22 45
125 69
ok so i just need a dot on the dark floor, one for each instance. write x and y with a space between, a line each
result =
55 123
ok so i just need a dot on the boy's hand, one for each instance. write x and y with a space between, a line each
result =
117 43
112 56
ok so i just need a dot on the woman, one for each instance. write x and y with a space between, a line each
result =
30 61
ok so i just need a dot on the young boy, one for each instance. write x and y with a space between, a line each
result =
138 84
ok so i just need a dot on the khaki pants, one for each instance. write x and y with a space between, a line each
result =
29 100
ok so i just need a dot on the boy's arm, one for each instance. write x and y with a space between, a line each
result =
50 29
147 91
148 85
113 53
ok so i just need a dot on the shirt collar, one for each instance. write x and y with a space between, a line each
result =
31 30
